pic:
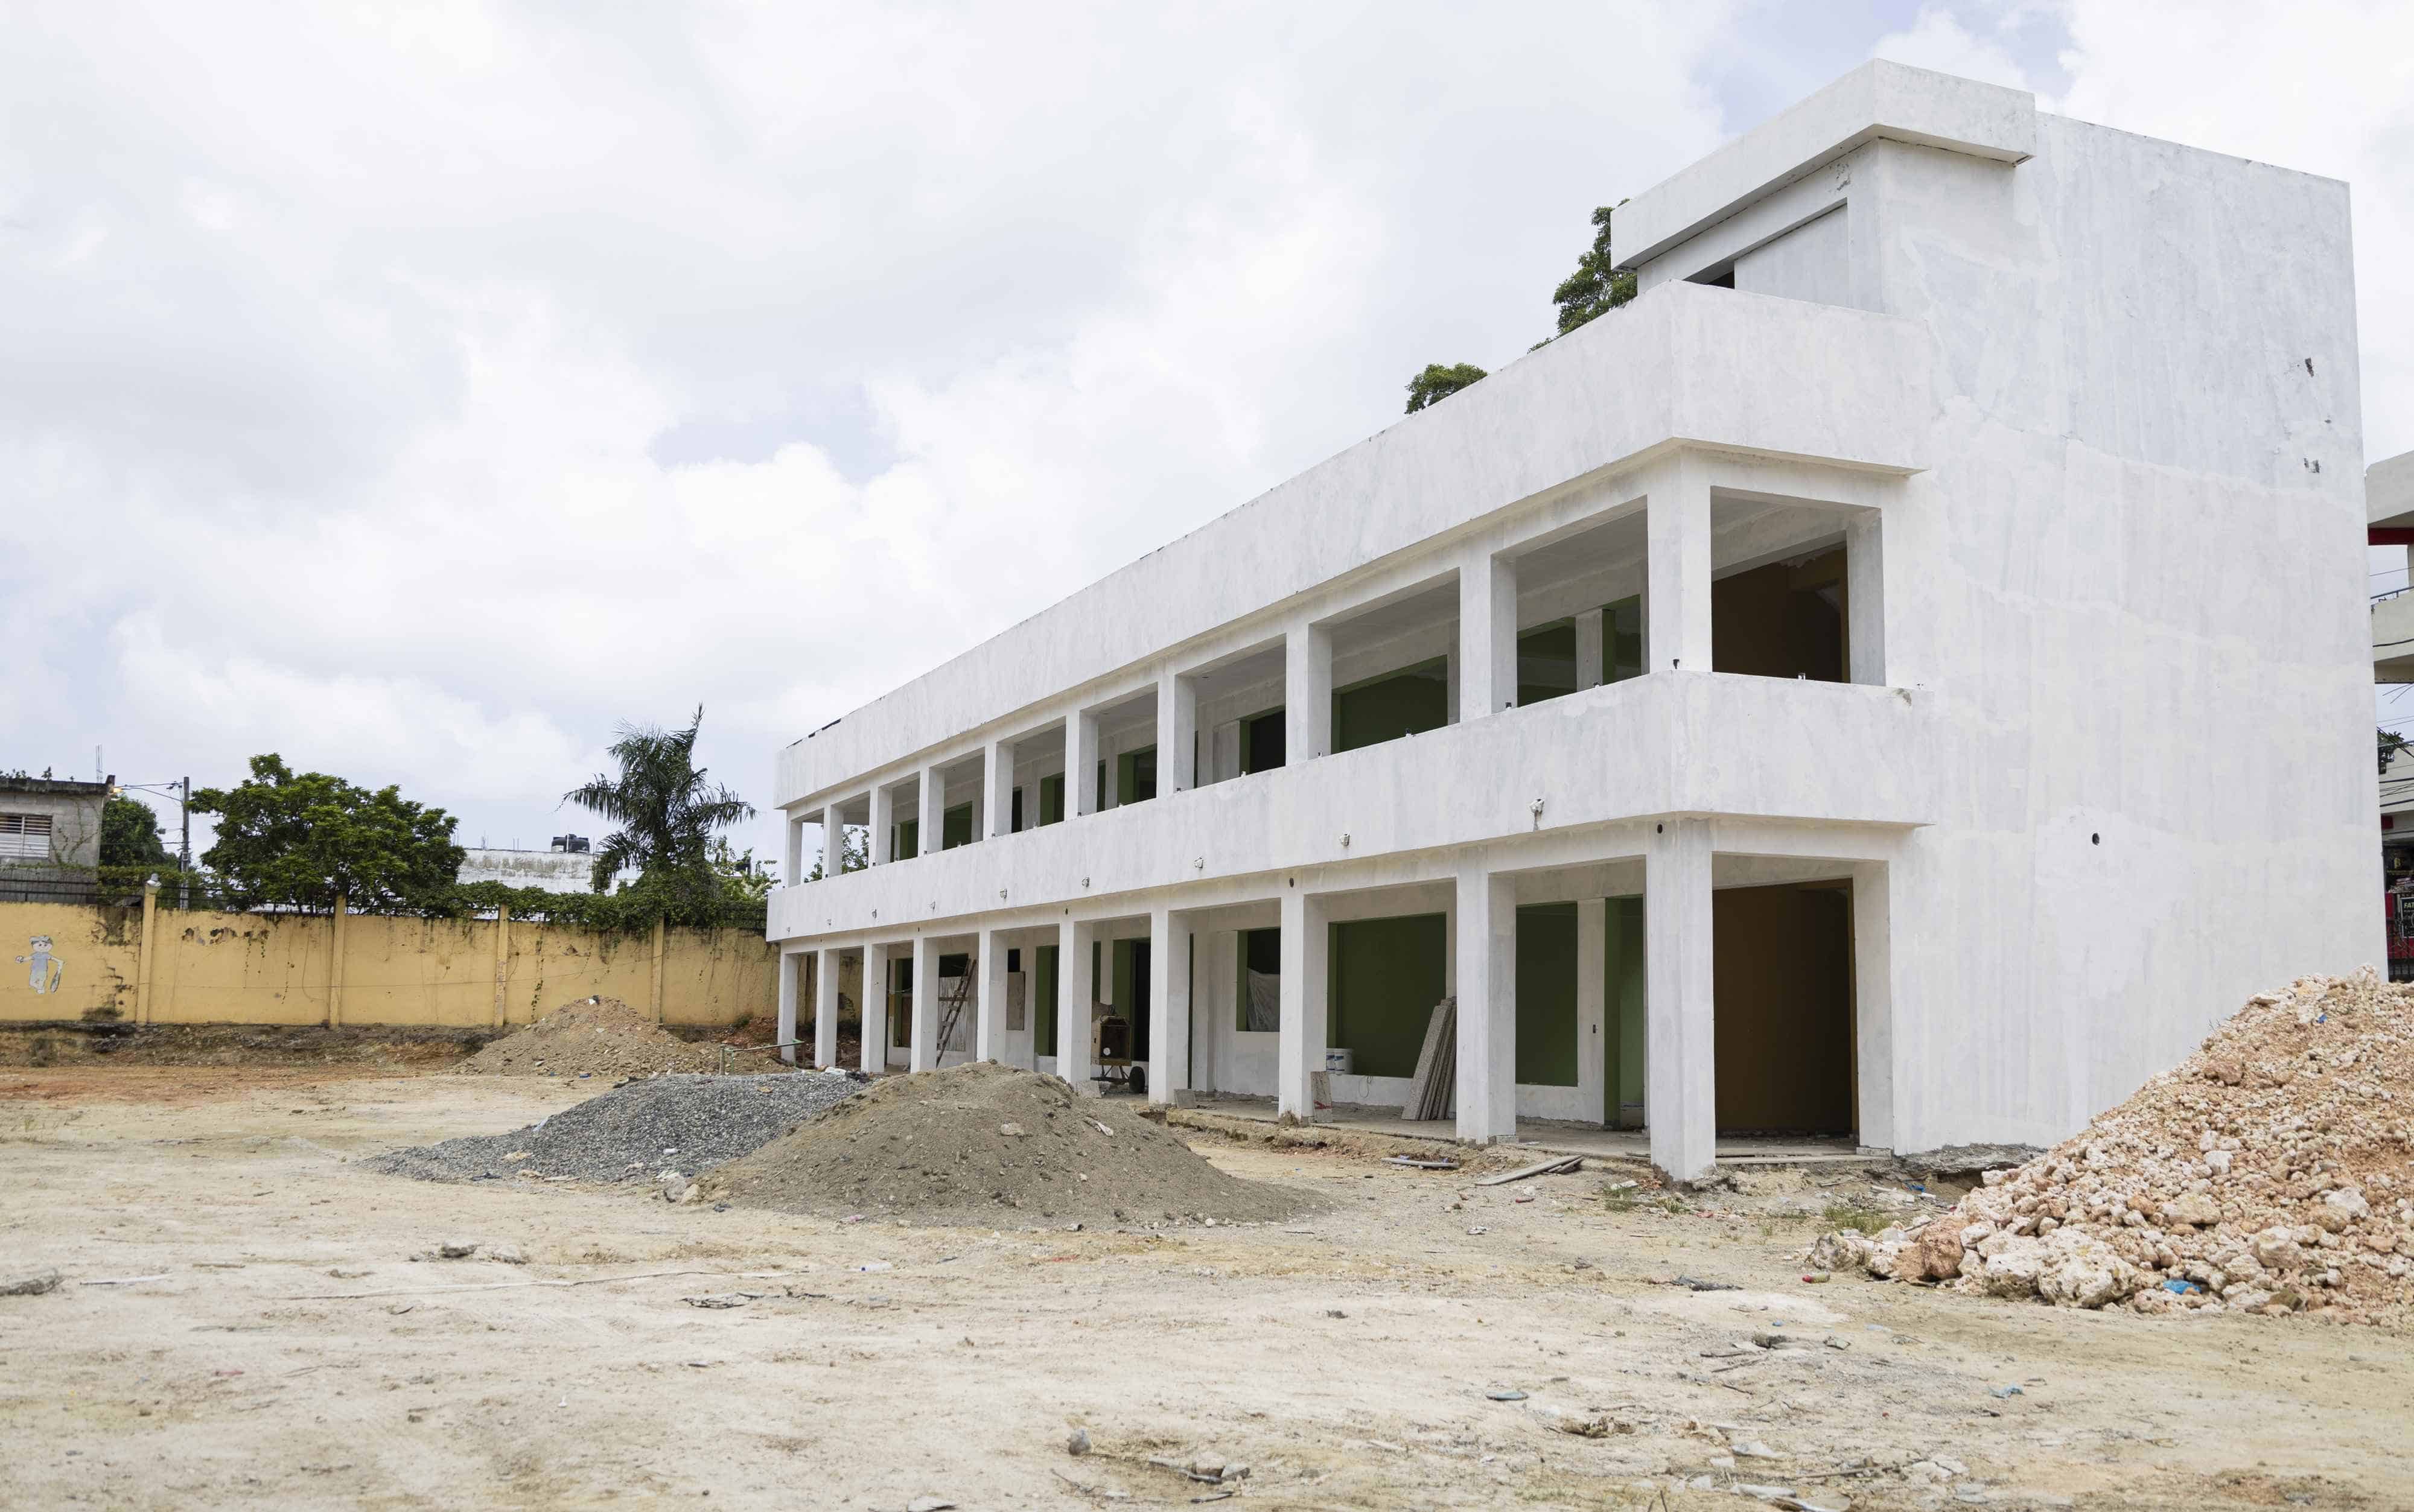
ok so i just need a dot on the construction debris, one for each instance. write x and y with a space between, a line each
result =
2268 1173
636 1131
1558 1165
601 1037
1433 1091
929 1149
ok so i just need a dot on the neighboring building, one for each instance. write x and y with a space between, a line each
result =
50 837
2389 506
567 867
1895 679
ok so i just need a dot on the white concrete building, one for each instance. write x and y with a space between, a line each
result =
1898 678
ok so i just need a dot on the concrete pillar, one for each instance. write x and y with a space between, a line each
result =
833 841
1168 1006
1592 1001
1680 1056
1177 735
1080 763
883 820
1865 598
922 1050
1307 693
1588 649
1487 635
1304 1030
1677 603
792 870
791 965
933 806
875 1008
1873 1003
1484 922
1075 988
997 770
825 980
988 1026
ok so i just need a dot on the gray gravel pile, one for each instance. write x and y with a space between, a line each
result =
635 1132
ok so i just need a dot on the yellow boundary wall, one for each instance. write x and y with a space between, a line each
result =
159 966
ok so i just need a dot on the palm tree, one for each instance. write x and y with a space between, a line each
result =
666 811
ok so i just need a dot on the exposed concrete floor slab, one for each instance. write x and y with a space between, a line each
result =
1551 1137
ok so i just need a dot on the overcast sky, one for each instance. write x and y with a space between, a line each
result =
421 397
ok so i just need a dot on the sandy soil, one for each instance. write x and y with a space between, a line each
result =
291 1354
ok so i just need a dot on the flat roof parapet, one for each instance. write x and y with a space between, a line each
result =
1878 100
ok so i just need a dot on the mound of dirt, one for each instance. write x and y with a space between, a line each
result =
2268 1173
636 1132
604 1037
988 1144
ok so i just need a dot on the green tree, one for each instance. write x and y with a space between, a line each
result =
855 853
129 835
2390 744
1595 288
301 841
1437 383
666 811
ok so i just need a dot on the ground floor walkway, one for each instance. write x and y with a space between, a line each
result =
1550 1136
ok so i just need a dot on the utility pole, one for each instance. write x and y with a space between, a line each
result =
185 852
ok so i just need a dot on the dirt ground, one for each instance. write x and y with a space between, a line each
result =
274 1345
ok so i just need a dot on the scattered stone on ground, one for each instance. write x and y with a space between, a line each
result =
32 1284
2268 1173
662 1129
933 1147
605 1037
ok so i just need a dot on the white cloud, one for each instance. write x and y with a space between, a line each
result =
348 345
1939 40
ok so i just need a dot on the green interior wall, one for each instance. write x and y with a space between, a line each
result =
1131 991
1263 739
1384 977
1043 1001
1397 703
956 827
900 1000
1136 777
1546 662
1260 951
1051 799
904 839
1546 995
1623 996
1622 640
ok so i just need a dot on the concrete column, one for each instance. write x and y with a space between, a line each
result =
997 770
1080 763
1592 1031
1074 990
989 1028
1298 1048
883 819
932 807
1485 924
825 980
833 841
1307 693
875 1008
1487 635
792 963
1589 648
1873 1003
1680 1056
1177 735
793 868
1676 601
1865 598
1168 1006
922 1052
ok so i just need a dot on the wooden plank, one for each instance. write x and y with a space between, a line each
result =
1552 1166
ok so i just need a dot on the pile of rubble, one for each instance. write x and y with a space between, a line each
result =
2272 1172
604 1037
991 1144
